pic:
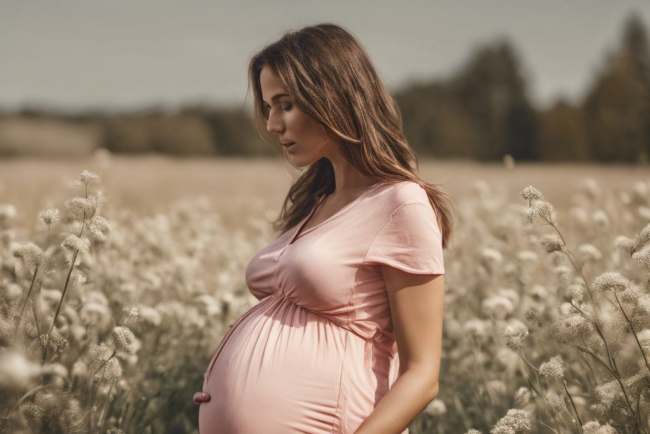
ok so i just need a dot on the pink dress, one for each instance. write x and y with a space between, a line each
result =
318 352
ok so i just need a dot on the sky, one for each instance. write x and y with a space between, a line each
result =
124 55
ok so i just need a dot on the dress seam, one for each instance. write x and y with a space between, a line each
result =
274 278
336 425
347 317
363 261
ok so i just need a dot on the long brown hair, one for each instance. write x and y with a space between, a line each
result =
330 77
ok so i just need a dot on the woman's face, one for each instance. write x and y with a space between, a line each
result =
290 124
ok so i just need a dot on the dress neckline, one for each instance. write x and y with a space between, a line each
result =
298 234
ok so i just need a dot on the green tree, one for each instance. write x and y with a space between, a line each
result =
617 104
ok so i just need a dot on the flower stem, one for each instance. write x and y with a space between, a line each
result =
573 405
645 357
58 309
31 286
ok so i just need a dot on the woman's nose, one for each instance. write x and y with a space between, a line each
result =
273 126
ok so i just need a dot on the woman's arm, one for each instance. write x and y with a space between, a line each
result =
417 305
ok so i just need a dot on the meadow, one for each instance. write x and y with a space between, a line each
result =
119 275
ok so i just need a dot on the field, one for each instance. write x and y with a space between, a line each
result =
547 325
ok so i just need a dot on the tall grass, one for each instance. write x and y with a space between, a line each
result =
108 320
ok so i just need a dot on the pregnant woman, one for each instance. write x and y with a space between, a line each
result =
347 335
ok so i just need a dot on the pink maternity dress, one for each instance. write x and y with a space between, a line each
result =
318 352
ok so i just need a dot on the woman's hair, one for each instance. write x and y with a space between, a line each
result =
330 78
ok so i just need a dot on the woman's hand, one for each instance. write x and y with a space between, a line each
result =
201 397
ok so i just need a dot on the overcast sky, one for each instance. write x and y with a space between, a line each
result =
119 54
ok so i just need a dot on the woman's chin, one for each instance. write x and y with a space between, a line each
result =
301 160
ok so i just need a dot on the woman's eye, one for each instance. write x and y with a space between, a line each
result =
287 108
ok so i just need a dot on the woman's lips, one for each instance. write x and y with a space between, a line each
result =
286 145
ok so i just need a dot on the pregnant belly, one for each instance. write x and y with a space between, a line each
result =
277 370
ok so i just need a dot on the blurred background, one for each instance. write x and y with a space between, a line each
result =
475 80
549 84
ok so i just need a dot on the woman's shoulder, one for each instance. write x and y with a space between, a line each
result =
405 192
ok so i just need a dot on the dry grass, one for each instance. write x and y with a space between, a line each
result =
147 304
149 184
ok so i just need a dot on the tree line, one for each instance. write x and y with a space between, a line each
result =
482 112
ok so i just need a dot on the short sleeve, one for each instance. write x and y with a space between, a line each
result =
410 241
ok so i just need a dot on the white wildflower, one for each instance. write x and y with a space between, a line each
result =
80 206
563 273
570 328
78 277
544 210
514 421
124 339
492 255
130 315
515 334
611 281
533 314
497 386
642 238
150 315
538 291
475 327
642 256
49 217
576 292
530 193
31 254
624 244
98 225
510 294
55 369
97 314
73 242
522 397
556 403
113 369
436 408
608 392
16 371
589 253
551 243
87 177
79 369
553 368
594 427
498 306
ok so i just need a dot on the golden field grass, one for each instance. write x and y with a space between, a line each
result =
237 187
547 304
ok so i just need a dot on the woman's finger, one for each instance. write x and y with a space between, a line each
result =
200 397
